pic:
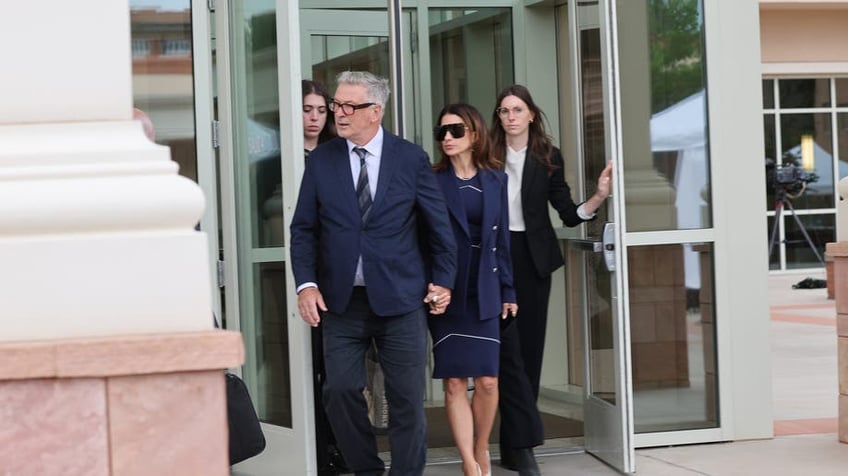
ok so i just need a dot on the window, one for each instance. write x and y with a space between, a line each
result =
805 122
140 48
176 47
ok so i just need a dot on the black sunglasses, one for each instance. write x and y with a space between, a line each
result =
456 130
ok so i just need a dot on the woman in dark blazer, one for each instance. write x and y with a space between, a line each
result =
466 338
535 170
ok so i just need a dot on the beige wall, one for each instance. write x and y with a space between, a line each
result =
798 36
806 4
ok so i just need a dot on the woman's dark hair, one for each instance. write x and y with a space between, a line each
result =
314 87
481 150
539 145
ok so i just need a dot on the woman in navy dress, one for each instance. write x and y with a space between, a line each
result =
466 338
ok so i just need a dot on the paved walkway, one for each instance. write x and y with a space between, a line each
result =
805 396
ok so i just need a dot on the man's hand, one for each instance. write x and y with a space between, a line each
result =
509 308
437 298
309 303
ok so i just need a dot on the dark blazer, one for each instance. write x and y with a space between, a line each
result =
328 235
538 188
494 282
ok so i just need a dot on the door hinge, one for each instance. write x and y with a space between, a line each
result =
220 271
210 4
215 134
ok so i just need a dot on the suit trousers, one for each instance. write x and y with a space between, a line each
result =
324 438
532 293
521 424
522 348
401 348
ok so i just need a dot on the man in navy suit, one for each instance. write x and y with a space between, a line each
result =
366 200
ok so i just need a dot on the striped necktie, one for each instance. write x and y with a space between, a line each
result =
363 191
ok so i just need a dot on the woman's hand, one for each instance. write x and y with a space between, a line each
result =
437 298
602 192
605 182
509 308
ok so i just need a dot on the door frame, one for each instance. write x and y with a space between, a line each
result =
289 451
608 428
207 170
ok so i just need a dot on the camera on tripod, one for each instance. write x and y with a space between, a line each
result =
789 181
789 178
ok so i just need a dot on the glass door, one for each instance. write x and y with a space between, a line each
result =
595 261
649 347
357 39
256 176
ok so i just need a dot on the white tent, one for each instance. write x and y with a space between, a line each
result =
682 128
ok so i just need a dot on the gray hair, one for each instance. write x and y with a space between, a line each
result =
376 88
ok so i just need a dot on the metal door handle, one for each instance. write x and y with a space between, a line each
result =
586 245
605 245
609 246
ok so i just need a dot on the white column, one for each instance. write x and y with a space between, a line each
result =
96 227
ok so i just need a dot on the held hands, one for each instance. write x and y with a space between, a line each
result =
509 308
437 298
309 302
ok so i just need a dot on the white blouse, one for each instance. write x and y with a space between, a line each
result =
515 171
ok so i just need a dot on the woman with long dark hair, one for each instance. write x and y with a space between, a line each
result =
466 337
535 170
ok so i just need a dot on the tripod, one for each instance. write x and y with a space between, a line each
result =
781 201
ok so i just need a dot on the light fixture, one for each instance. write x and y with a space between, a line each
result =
807 152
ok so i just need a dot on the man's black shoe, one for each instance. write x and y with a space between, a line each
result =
521 460
336 464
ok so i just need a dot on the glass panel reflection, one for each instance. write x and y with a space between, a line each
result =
798 93
841 92
768 94
672 332
271 344
600 307
799 252
258 208
332 53
594 130
811 157
667 167
770 139
842 138
807 142
163 85
470 56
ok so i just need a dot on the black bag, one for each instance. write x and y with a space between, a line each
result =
246 437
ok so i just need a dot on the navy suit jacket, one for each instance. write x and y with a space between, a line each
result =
328 235
494 274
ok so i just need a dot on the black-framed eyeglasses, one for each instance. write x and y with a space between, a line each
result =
457 131
348 108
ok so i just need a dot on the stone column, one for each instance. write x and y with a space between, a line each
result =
102 265
839 254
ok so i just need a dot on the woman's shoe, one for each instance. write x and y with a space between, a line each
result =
489 459
479 471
